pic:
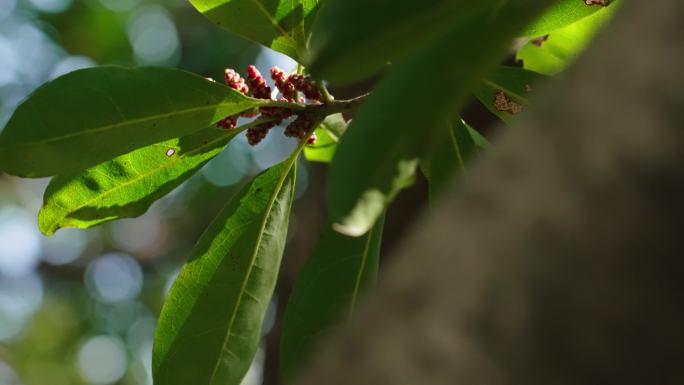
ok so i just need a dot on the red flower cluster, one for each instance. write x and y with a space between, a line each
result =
258 87
235 81
284 84
299 127
289 86
257 133
228 122
305 85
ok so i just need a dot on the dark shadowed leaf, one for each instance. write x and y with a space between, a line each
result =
283 25
327 290
89 116
449 155
378 154
505 91
354 39
327 134
126 186
552 53
210 325
562 14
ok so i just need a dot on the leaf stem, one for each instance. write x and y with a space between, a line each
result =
323 109
253 123
278 103
326 94
337 106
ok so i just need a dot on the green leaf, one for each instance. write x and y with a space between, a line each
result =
126 186
551 54
89 116
354 39
328 288
283 25
210 325
449 155
378 154
324 149
505 91
563 14
480 141
327 134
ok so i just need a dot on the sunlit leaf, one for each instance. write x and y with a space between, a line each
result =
328 134
90 116
378 154
210 326
126 186
564 13
283 25
327 290
551 54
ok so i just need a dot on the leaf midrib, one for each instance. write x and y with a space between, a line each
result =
151 172
269 208
270 18
457 147
122 124
362 269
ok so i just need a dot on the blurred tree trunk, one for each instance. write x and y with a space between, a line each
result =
559 260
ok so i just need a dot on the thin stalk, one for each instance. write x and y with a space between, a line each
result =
326 94
324 109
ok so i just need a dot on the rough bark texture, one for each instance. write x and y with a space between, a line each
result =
559 260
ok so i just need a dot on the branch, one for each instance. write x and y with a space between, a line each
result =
323 109
337 106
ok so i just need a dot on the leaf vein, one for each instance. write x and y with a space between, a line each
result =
248 274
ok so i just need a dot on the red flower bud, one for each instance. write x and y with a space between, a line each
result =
307 86
283 84
235 81
229 122
299 127
257 133
257 84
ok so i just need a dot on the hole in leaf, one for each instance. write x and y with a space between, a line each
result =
539 41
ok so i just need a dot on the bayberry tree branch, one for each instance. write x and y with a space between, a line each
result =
323 109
